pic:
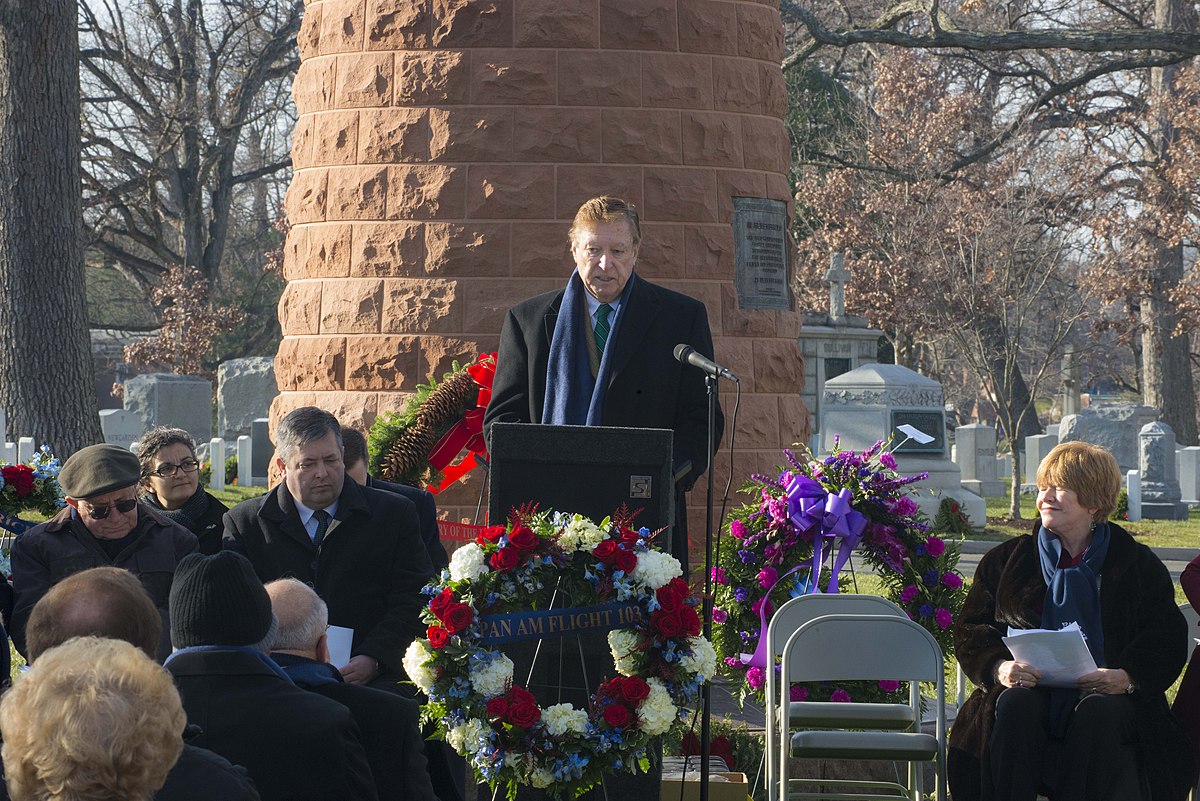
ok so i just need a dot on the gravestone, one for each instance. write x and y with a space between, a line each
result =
245 389
262 451
216 452
975 456
244 448
1111 425
26 450
121 427
1036 448
1156 463
1189 474
10 452
164 399
867 404
1133 490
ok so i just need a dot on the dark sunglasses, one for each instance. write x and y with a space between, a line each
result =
100 512
167 470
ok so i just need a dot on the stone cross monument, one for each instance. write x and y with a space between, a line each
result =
837 275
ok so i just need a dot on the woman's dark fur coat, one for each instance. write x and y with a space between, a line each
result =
1144 633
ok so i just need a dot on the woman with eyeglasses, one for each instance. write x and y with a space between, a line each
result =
103 524
171 485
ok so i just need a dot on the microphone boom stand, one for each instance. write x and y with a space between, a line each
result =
710 384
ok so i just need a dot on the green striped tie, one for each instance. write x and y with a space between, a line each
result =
602 326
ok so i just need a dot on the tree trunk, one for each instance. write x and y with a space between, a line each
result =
47 385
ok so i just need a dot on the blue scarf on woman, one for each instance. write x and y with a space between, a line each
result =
573 397
1072 596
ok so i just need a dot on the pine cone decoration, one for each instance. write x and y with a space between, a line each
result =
407 458
449 400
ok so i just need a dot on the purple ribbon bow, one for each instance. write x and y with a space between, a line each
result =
810 507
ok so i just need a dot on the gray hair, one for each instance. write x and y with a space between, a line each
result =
300 612
267 643
306 424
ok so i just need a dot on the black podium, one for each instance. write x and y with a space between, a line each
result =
592 471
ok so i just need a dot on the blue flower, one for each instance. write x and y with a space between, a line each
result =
931 578
926 610
747 556
741 594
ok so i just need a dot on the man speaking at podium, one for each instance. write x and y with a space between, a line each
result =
600 351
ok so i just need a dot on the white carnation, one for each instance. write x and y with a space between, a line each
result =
490 679
464 738
703 659
414 665
468 563
562 718
541 778
657 712
656 569
623 644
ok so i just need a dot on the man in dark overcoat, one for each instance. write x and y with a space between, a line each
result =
601 351
359 548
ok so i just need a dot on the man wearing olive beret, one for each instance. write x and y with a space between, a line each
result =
102 524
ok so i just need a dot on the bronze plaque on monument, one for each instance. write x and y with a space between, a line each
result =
760 248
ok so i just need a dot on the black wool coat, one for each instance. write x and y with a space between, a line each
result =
369 569
1144 635
426 513
296 745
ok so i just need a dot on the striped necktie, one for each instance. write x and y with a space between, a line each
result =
602 326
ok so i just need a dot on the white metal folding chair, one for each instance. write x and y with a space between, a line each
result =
860 648
787 619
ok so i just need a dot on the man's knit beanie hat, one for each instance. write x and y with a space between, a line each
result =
218 600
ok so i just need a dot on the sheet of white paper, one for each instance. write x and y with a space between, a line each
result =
340 638
1060 656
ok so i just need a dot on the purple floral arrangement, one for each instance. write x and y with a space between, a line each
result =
850 506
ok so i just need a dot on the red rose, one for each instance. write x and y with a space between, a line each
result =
458 617
606 551
626 561
438 637
668 599
519 695
497 707
523 714
634 689
523 539
440 603
504 559
629 536
690 620
490 534
680 587
20 477
667 623
617 716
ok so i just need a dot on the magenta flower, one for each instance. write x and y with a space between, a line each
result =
943 618
737 530
767 577
952 580
909 594
719 615
889 686
887 460
840 697
797 693
935 547
733 662
755 678
904 507
718 575
754 607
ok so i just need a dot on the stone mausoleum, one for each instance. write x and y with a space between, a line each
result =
443 146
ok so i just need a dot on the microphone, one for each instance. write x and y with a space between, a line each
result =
689 355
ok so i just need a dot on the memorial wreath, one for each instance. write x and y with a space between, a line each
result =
547 574
818 511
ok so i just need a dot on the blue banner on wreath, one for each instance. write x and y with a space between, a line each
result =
516 626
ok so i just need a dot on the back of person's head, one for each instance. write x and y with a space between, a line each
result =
606 209
218 600
302 616
355 445
94 720
306 424
99 602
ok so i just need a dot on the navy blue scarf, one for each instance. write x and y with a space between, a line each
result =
242 649
573 397
1072 596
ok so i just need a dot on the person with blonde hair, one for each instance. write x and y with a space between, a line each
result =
93 720
1111 737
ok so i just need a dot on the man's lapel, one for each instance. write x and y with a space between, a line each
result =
551 319
285 513
638 315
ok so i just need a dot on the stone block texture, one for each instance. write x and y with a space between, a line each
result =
442 148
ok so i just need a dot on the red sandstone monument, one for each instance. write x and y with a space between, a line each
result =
443 147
